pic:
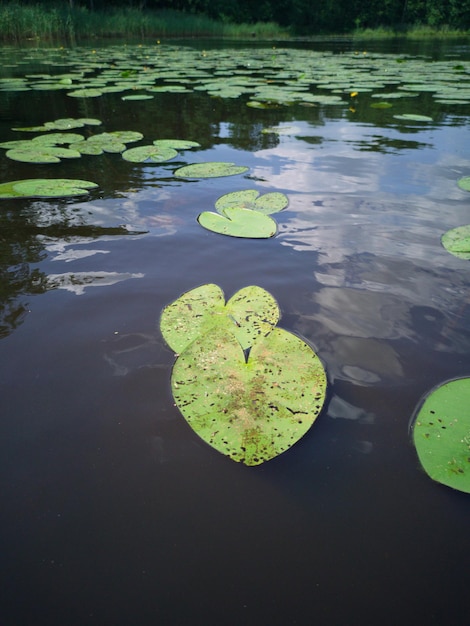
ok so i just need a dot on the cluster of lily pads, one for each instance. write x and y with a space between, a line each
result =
49 148
246 387
267 76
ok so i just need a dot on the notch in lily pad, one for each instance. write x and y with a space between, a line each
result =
247 388
441 434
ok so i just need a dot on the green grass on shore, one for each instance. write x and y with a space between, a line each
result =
59 23
419 31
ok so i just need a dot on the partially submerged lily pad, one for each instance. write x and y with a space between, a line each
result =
251 199
250 313
210 169
457 241
239 223
45 188
441 434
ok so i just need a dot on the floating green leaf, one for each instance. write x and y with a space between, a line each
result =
149 154
210 169
66 123
464 183
57 138
441 434
42 154
381 105
137 96
251 199
239 223
249 314
411 117
457 241
85 93
177 144
45 188
250 410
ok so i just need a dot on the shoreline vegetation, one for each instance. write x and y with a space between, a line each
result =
63 24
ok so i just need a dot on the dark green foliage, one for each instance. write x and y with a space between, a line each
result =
300 16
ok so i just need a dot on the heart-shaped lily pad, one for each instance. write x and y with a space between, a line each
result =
250 410
457 241
149 154
464 183
441 434
239 223
45 188
210 169
249 314
251 199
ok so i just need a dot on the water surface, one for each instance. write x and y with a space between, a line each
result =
113 511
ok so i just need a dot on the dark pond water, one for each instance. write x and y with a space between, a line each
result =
113 510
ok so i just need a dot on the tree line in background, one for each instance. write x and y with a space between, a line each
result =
305 16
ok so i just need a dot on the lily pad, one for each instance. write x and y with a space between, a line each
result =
250 313
177 144
457 241
137 96
149 154
42 154
85 93
210 169
441 434
411 117
464 183
45 188
237 222
381 105
58 138
249 410
251 199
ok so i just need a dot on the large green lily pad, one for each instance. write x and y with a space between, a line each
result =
210 169
250 410
457 241
441 434
45 188
239 223
249 314
251 199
